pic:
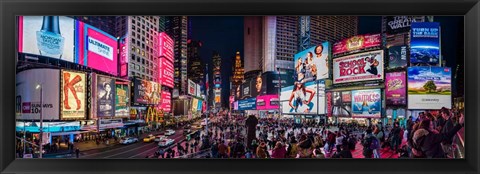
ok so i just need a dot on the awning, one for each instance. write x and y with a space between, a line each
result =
67 133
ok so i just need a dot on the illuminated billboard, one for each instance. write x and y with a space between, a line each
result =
96 49
366 103
267 102
51 36
105 100
28 104
312 63
165 72
304 98
425 43
165 46
192 88
396 88
358 67
398 56
166 103
429 87
73 93
122 99
357 43
146 92
123 58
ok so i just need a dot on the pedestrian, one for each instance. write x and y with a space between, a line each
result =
305 147
77 152
161 153
279 151
345 152
367 144
395 142
261 152
339 141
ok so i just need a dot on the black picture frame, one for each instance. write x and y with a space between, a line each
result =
470 9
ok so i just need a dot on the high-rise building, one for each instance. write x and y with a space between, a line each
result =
176 27
238 71
217 80
281 37
253 37
141 33
104 23
161 23
196 66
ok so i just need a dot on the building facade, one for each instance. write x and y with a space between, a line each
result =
196 66
253 36
176 27
104 23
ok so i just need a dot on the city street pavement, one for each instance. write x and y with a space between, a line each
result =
134 150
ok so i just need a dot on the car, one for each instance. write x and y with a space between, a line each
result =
166 142
128 140
169 132
149 138
159 138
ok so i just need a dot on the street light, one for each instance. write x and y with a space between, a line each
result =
39 86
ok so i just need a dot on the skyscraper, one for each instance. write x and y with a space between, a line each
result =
253 37
176 27
104 23
238 71
195 65
332 28
217 80
141 33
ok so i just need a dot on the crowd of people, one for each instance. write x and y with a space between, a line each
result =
431 135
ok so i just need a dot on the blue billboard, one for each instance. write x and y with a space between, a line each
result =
366 103
425 43
247 104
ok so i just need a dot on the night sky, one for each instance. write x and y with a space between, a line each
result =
225 35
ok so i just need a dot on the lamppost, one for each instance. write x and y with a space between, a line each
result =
39 86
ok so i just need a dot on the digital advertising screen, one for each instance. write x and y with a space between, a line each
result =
401 24
304 98
165 72
27 101
425 43
357 43
146 92
366 103
50 36
267 102
192 88
341 102
105 96
358 67
73 93
398 56
122 99
312 63
429 87
165 46
123 58
271 85
396 88
96 49
166 104
247 104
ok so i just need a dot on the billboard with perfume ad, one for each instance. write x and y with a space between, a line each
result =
96 48
429 87
105 100
27 102
50 36
396 88
73 93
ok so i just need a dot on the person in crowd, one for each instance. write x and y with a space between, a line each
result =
279 151
395 137
261 152
367 144
305 147
292 149
339 141
427 143
345 152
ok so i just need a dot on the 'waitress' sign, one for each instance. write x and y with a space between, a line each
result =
358 67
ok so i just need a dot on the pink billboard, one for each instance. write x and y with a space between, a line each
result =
96 49
166 104
165 72
123 58
358 42
395 88
267 102
165 46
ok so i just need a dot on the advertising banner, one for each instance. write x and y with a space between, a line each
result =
366 103
28 104
105 100
235 105
198 91
400 24
50 36
267 102
165 72
192 88
355 43
166 101
302 98
271 85
165 46
397 39
247 89
73 93
312 64
342 104
96 49
217 94
122 99
329 98
429 87
124 54
395 88
200 104
194 105
425 43
358 67
247 104
397 56
146 92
